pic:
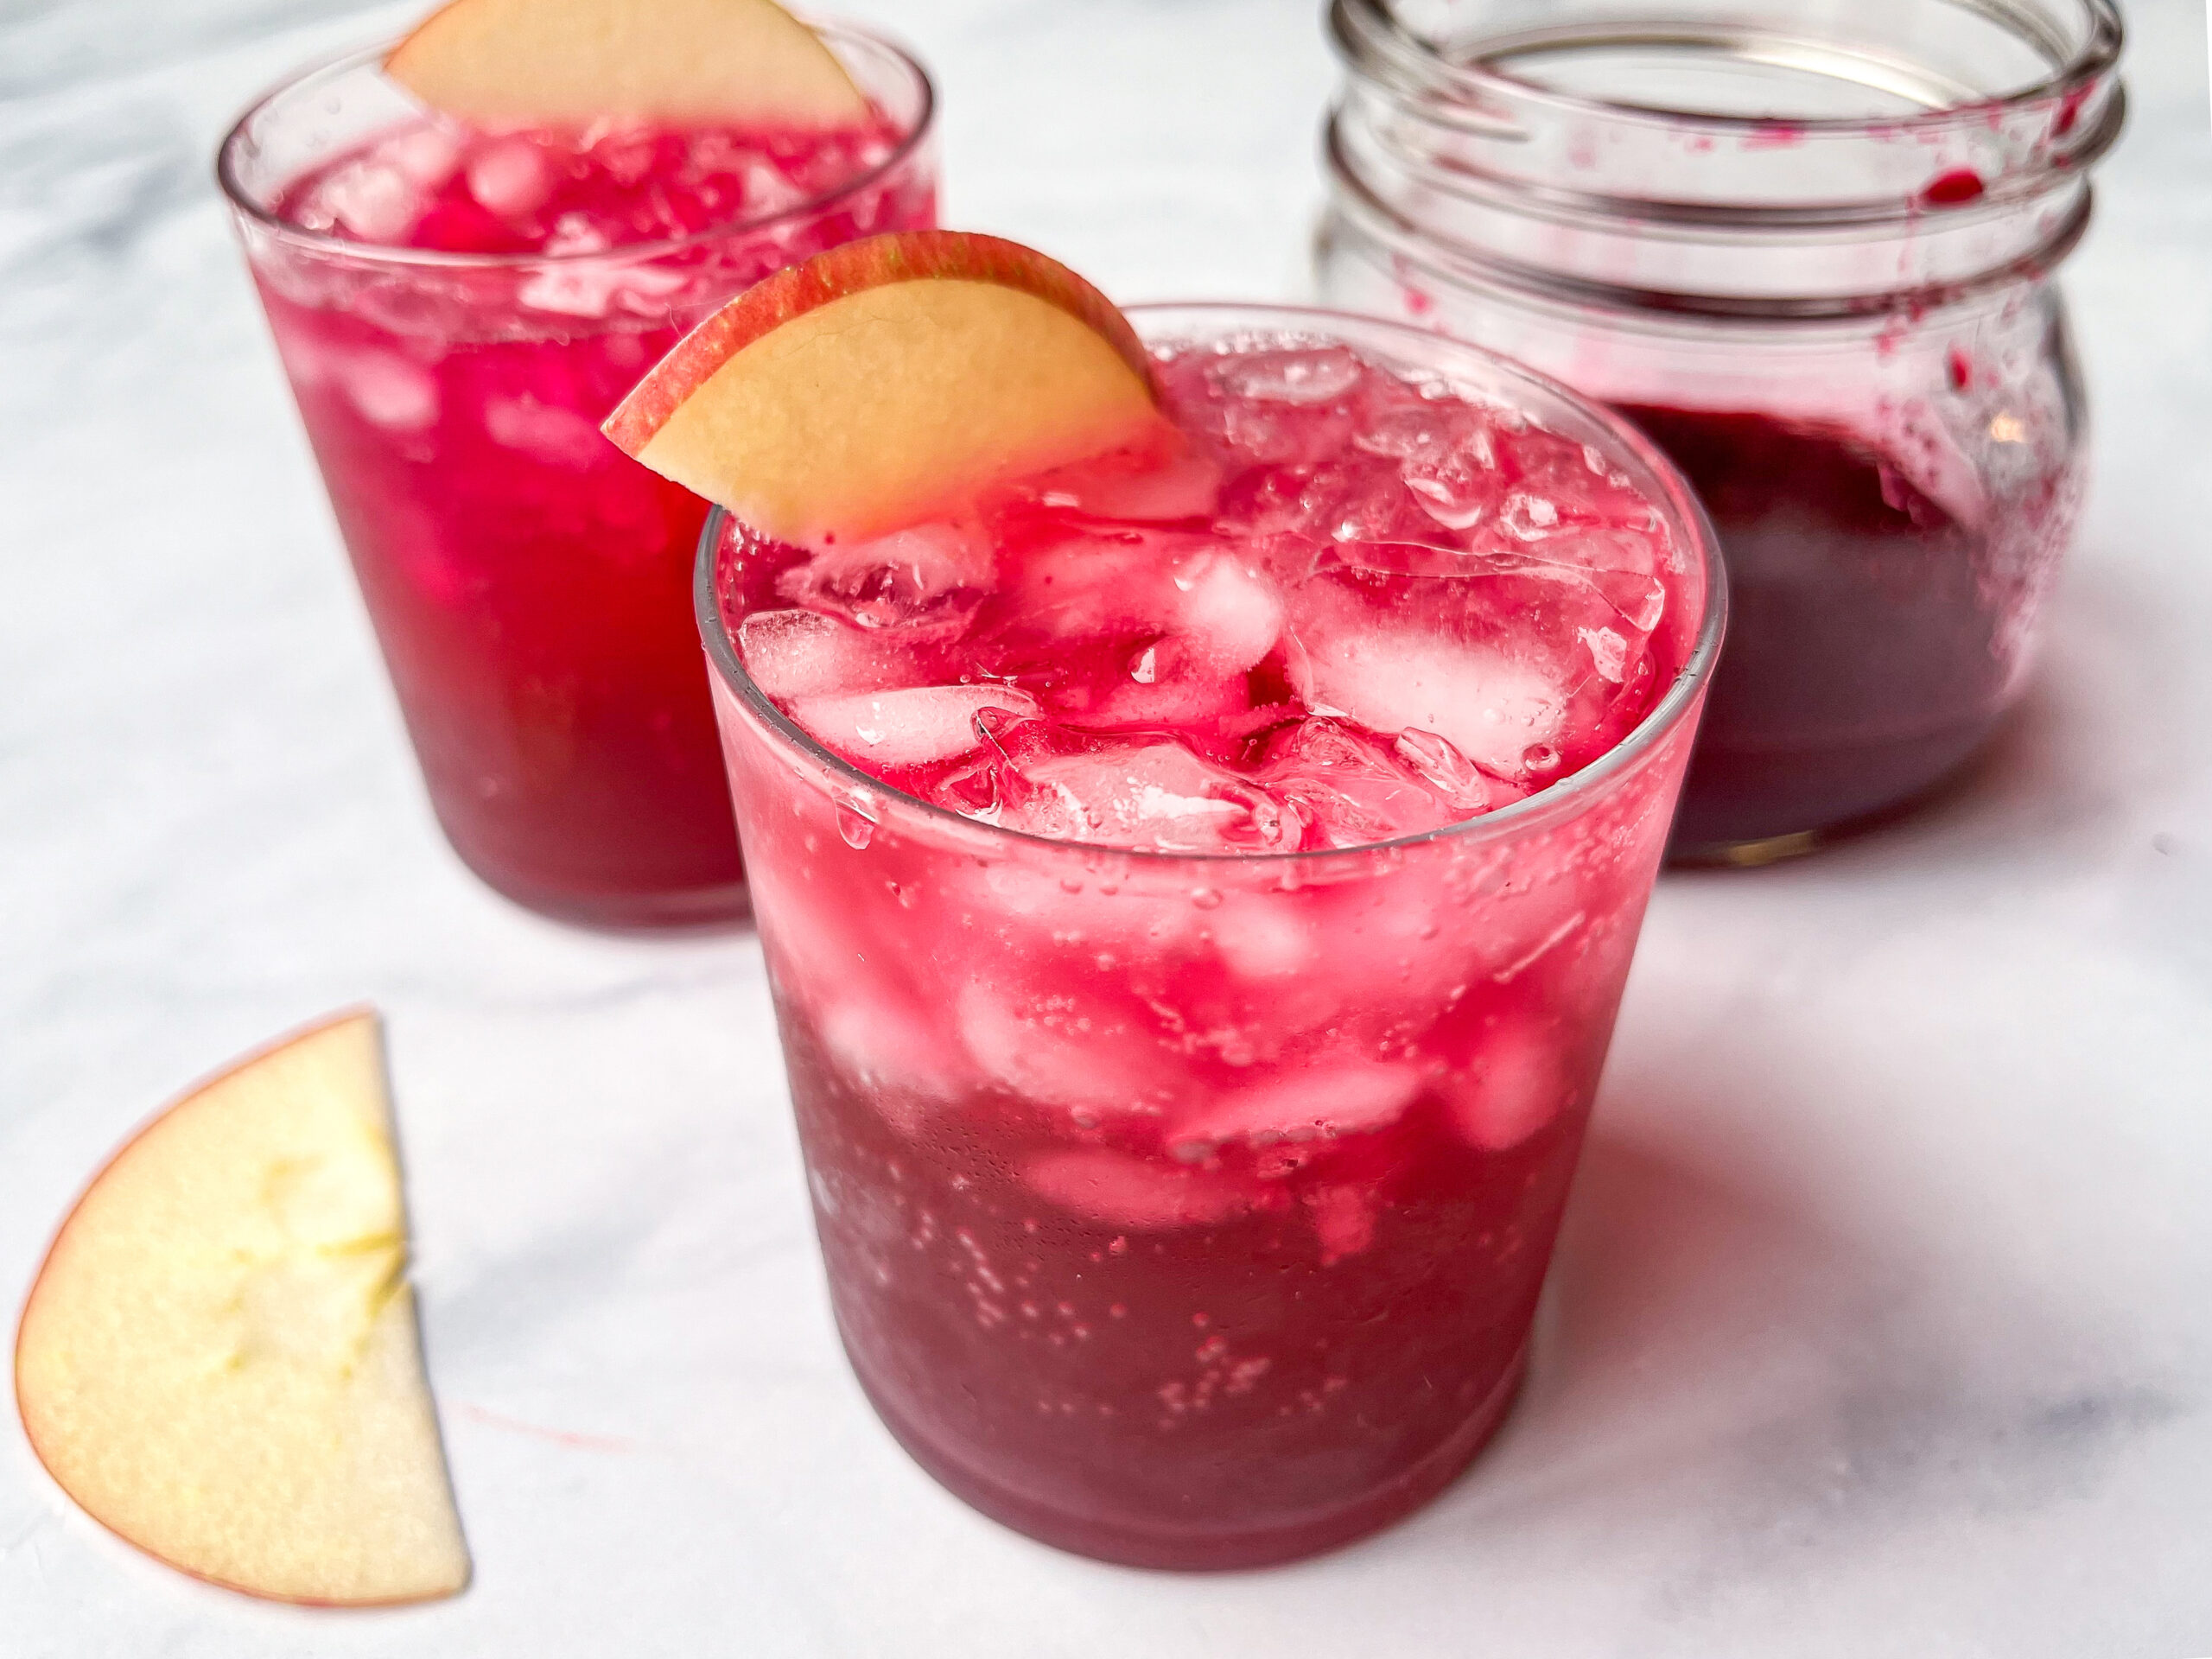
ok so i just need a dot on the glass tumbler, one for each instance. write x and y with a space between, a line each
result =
528 582
1104 1326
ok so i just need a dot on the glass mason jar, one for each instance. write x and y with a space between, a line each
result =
1099 1250
1810 249
528 583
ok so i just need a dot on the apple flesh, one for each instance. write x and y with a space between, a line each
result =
890 381
219 1361
674 63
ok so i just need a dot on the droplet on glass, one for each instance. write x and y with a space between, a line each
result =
854 823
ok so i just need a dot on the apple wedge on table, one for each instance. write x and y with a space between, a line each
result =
219 1360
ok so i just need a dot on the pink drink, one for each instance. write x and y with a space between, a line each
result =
457 311
1185 1164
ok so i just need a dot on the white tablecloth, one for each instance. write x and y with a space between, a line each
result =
1883 1320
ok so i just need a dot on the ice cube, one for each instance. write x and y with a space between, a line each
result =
1032 908
546 432
1608 651
792 654
1344 1219
1581 566
509 176
391 391
576 233
1111 583
1321 1102
1356 792
1448 772
1415 948
1155 795
426 155
373 199
1261 936
1585 559
1561 490
1513 1088
1486 702
1529 518
1138 1195
599 288
1230 617
1132 488
1086 1063
926 576
309 361
767 190
893 1056
1304 376
1406 431
1280 433
623 146
1457 487
909 728
1360 500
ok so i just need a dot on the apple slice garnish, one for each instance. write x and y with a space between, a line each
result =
890 381
218 1359
675 63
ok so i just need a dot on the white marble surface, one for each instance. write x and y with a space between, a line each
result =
1883 1323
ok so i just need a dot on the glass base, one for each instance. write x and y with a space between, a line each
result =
1134 1543
1744 808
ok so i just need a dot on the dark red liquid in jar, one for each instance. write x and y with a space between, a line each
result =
1866 654
529 584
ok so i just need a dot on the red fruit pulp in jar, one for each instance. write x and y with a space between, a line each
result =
1192 1211
1876 635
529 584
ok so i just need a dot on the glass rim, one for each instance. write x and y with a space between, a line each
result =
242 201
1553 803
1356 26
1457 262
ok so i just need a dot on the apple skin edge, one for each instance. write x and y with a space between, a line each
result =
352 1011
852 268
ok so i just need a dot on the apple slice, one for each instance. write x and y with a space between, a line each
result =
677 63
890 381
218 1359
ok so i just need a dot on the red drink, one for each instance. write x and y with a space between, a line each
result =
457 311
1186 1162
1880 635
